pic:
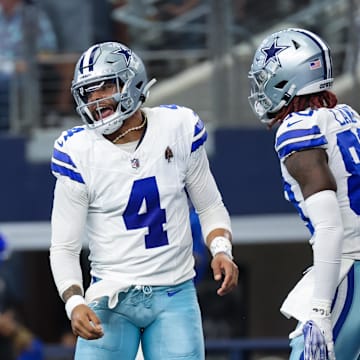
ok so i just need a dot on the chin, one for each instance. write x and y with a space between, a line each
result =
110 128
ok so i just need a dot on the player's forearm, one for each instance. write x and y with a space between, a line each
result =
219 241
73 297
66 269
219 232
215 221
324 213
67 223
72 290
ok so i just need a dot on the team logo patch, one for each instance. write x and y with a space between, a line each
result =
168 154
271 53
127 53
135 163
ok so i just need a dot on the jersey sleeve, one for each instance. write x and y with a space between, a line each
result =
201 185
199 135
67 227
200 182
69 213
65 165
300 131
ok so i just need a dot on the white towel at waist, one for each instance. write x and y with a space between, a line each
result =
108 288
298 302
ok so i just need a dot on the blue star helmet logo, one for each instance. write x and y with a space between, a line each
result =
127 53
271 53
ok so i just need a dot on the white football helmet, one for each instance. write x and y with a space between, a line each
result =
288 63
113 63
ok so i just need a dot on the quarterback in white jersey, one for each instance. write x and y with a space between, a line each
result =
318 145
123 183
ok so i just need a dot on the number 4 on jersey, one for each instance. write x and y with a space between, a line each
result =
145 195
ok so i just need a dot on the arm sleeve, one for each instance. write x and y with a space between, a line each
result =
324 213
67 225
205 195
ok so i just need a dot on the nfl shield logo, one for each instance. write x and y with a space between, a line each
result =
135 163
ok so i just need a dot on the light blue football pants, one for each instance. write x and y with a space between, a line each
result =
166 319
346 312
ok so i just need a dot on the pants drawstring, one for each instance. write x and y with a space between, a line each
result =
142 293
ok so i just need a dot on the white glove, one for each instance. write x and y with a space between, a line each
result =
317 331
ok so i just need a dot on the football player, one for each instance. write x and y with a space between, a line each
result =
122 180
318 145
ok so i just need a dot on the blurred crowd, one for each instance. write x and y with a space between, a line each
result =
41 40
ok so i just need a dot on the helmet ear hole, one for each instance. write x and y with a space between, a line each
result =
139 85
281 84
296 44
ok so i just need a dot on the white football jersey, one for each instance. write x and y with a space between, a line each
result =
137 214
337 131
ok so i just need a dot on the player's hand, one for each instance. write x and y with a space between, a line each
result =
318 336
317 331
85 323
318 340
224 268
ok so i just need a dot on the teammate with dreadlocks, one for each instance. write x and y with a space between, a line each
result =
318 145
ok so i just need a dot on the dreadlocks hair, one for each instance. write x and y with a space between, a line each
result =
314 101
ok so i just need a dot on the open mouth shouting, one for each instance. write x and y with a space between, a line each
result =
103 111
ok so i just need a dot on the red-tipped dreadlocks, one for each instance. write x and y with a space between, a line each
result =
299 103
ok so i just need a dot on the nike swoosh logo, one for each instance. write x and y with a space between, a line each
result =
172 293
60 143
292 123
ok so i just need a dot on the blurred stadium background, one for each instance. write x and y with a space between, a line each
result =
201 58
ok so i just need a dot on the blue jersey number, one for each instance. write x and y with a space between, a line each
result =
143 210
349 145
70 133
